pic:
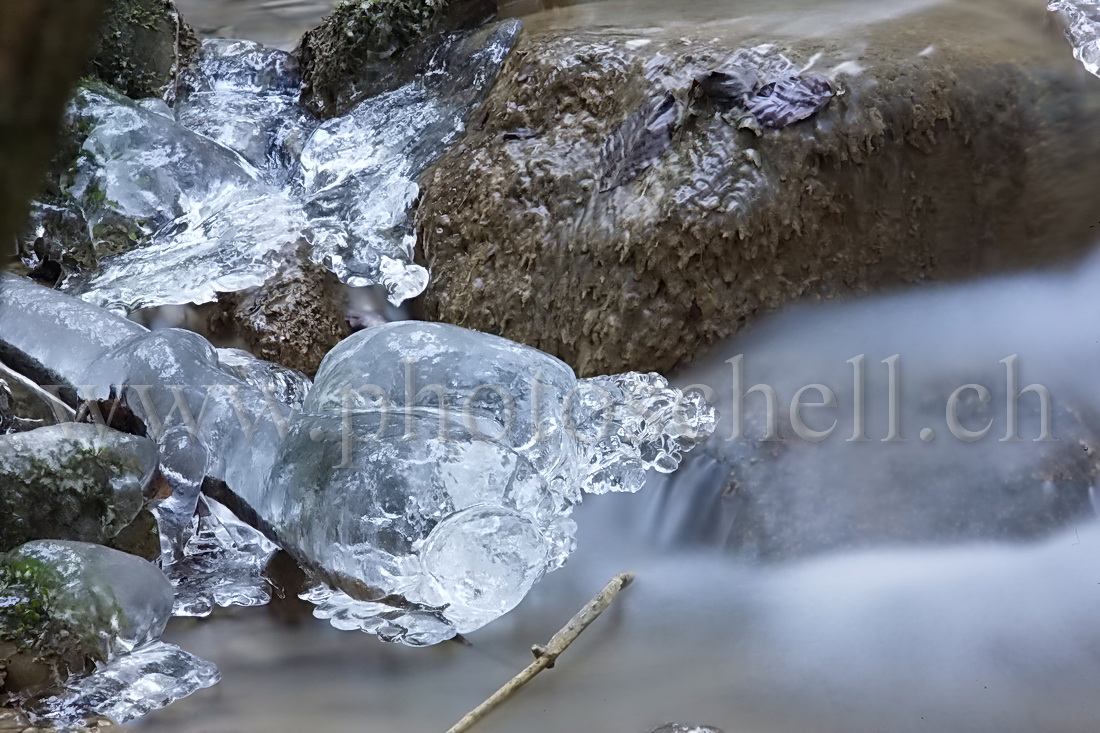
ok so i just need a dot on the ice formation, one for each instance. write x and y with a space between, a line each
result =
174 205
1083 30
359 171
72 602
432 472
208 419
195 217
417 443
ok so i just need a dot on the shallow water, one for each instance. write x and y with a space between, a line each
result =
967 638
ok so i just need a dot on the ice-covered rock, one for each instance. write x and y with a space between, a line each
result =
208 418
25 406
457 458
163 206
88 618
71 481
426 483
360 171
245 96
173 216
1083 30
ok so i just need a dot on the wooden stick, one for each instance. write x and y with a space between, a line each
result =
545 656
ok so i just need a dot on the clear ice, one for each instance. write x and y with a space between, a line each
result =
432 472
215 194
428 479
208 419
1083 30
198 219
129 686
359 171
119 605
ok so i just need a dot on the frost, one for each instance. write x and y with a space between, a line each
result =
1083 30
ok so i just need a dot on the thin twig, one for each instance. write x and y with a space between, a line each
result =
545 656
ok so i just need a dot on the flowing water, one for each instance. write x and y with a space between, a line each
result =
986 626
937 584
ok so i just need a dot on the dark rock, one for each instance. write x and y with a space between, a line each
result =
366 48
294 319
143 45
616 235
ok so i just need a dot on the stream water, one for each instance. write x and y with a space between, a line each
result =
966 607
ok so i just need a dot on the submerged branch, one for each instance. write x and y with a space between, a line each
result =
545 656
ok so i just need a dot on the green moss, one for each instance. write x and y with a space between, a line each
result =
27 588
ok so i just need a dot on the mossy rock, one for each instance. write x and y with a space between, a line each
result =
71 482
67 606
142 46
363 47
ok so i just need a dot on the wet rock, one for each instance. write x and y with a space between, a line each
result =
294 319
366 48
70 605
143 45
617 204
73 482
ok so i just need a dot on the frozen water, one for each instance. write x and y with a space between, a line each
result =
1083 30
120 599
412 510
165 206
359 171
245 96
222 563
458 457
288 386
88 602
173 216
209 417
629 423
131 685
427 481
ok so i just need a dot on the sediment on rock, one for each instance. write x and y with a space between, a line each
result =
618 204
